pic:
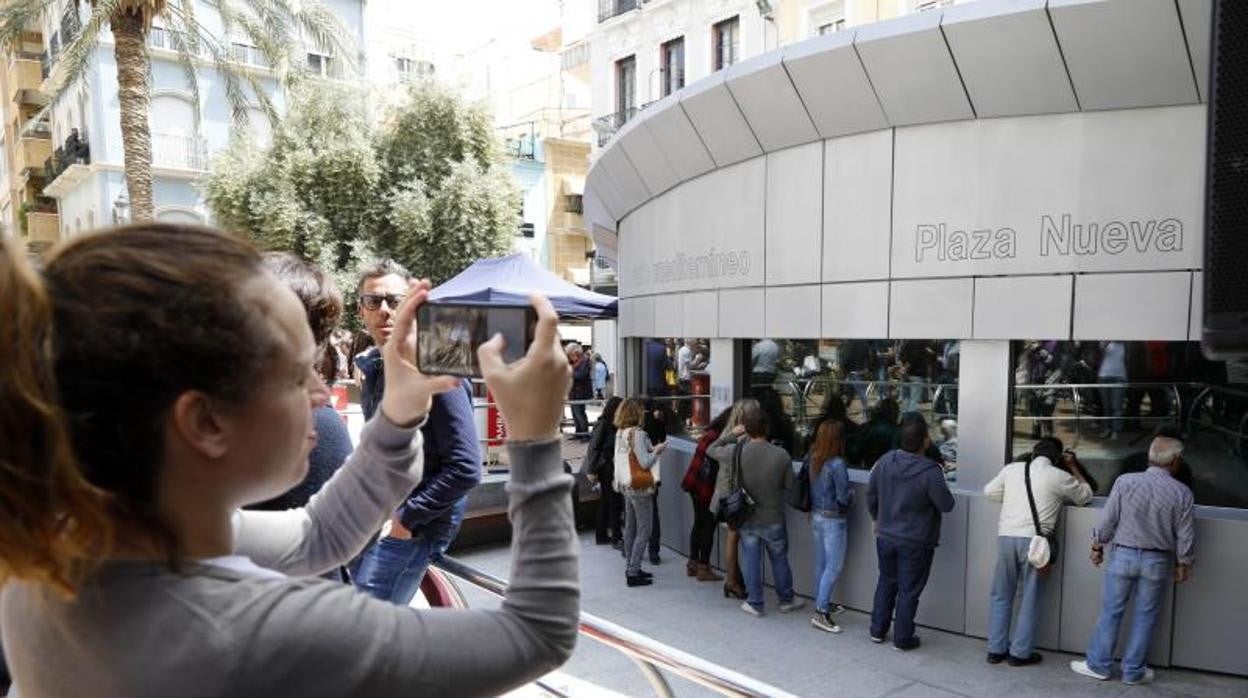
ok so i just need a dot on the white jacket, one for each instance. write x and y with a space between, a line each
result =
1052 488
636 439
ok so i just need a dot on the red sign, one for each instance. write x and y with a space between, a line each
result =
496 430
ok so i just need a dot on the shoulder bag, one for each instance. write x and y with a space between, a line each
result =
639 478
1040 550
736 506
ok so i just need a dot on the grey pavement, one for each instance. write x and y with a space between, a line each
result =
785 651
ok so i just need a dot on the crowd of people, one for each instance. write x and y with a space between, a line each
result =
160 378
1147 522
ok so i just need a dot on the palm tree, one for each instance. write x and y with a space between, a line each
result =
277 28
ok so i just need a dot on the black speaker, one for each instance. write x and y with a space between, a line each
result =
1224 334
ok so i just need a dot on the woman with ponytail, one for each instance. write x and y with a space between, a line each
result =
154 380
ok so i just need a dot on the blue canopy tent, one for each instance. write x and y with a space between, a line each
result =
509 281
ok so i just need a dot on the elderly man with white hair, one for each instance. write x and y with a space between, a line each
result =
1149 521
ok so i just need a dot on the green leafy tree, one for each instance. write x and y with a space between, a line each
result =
275 27
429 188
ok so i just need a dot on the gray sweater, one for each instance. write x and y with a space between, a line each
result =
138 629
766 472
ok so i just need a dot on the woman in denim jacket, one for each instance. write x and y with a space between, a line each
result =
830 498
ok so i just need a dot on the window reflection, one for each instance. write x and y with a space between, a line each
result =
1106 399
868 384
676 381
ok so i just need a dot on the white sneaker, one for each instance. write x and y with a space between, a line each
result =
1148 677
795 604
824 622
1080 666
745 606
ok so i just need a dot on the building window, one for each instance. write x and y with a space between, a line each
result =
872 385
527 230
575 55
248 54
323 65
410 67
725 38
673 62
676 382
573 203
831 27
925 5
1106 399
625 89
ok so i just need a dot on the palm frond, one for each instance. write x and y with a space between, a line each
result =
269 33
186 42
76 56
16 17
319 25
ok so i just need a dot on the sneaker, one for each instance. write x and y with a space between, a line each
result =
745 606
824 622
1148 677
877 640
996 657
836 609
792 604
655 559
907 645
645 574
1080 666
1035 658
617 544
637 580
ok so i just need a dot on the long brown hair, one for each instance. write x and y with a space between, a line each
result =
829 444
631 413
122 323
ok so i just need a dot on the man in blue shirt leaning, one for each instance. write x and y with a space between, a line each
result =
422 528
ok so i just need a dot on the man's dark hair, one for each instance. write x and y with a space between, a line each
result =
385 267
913 432
1050 447
755 423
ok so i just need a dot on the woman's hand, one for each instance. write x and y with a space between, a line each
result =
530 392
408 392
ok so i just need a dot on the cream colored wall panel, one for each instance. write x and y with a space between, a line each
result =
701 311
627 318
930 309
794 214
1023 307
669 315
643 316
793 311
1133 306
741 313
857 195
1198 307
855 311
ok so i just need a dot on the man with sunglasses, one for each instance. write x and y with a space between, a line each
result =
422 528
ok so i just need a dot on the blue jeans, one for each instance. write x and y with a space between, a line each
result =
829 557
903 574
1012 569
913 392
1112 397
776 539
391 569
1146 572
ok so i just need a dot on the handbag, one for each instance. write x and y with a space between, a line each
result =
736 506
639 478
798 495
1040 549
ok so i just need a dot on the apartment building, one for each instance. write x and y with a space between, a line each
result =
65 172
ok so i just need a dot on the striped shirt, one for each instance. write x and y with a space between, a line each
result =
1152 511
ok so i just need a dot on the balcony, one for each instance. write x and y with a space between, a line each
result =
606 126
614 8
32 152
25 76
179 152
173 40
42 224
68 165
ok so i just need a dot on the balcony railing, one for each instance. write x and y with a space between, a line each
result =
76 151
179 152
171 40
613 8
248 55
606 126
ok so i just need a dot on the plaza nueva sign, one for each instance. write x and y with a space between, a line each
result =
1059 236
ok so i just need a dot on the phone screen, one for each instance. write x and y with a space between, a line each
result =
449 334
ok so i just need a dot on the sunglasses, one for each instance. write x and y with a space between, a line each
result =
373 301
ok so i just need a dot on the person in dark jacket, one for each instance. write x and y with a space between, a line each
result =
699 482
582 387
655 424
906 496
423 526
600 466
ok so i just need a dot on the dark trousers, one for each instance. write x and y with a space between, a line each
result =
654 526
702 537
903 574
610 513
580 419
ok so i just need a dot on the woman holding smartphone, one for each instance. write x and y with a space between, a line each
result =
123 495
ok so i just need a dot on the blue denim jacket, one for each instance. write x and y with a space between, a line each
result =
830 491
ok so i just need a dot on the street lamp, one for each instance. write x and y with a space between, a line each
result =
121 209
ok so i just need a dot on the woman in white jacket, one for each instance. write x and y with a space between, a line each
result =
635 477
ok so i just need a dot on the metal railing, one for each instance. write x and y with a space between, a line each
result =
248 55
606 126
614 8
75 151
180 152
649 654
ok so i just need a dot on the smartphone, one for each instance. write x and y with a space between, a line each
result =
449 333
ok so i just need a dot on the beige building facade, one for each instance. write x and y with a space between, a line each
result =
27 146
